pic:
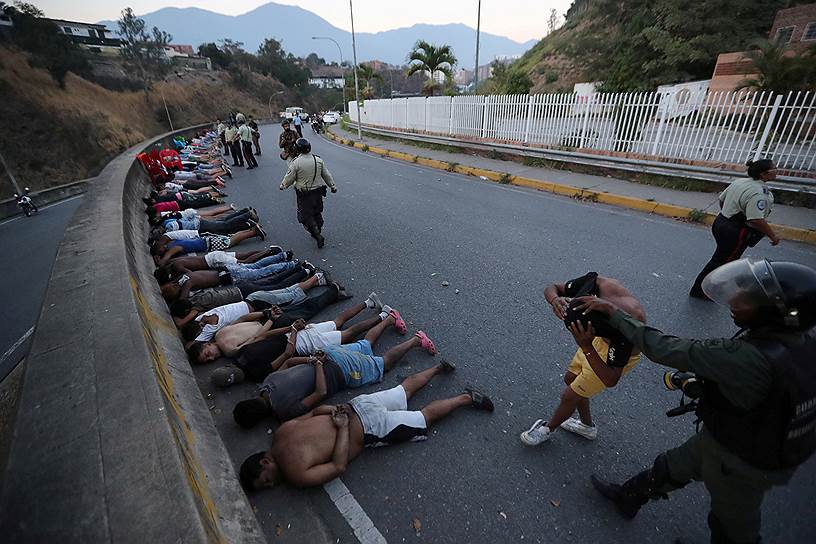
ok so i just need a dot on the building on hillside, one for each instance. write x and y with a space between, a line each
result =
327 77
184 50
183 56
380 66
89 36
795 28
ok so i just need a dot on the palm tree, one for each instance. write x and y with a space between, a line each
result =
430 59
365 75
779 72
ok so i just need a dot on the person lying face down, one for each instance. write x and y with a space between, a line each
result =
178 243
316 447
305 340
300 383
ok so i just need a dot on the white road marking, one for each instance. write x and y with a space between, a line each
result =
16 344
18 217
354 514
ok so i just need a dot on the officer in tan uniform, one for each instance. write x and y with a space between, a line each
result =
310 177
741 223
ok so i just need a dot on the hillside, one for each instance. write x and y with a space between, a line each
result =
294 27
55 135
640 44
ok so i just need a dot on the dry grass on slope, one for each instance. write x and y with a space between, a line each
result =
53 136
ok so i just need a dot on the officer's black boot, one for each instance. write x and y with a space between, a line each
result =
637 490
315 232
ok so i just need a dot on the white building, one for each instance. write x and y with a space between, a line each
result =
88 35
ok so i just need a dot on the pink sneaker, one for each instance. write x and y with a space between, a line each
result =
426 343
399 322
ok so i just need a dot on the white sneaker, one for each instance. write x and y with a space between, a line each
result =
387 309
590 432
536 434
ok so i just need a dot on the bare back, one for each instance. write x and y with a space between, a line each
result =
612 290
302 444
230 338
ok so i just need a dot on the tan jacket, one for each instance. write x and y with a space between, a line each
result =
307 172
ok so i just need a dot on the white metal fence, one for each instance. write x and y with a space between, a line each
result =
722 129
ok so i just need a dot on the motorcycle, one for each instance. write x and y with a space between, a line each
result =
317 127
25 203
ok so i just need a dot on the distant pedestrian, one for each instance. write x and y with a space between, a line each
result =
221 127
741 223
298 122
240 118
233 141
256 135
245 134
310 177
287 142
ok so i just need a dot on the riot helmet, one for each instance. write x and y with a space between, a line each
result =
302 146
763 293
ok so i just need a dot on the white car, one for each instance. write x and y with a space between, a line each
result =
331 117
290 114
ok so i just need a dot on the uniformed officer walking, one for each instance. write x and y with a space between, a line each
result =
286 142
310 177
758 403
741 223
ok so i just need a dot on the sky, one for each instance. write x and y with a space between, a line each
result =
520 20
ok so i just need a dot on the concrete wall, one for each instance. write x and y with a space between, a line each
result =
113 439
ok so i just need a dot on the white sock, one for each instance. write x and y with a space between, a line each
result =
383 316
387 309
369 303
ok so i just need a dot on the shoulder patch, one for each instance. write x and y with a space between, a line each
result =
761 205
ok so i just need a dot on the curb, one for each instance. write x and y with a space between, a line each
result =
797 234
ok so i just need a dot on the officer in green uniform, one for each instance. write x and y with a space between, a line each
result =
310 177
745 205
758 407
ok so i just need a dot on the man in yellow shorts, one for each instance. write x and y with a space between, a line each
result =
603 355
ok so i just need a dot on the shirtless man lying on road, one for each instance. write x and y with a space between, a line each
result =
316 447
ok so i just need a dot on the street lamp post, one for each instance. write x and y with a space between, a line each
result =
343 87
478 24
269 104
356 85
10 175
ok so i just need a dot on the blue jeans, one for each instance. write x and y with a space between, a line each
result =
242 273
280 297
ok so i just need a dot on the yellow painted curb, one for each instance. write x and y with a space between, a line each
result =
796 234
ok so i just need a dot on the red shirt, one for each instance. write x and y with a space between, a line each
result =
166 207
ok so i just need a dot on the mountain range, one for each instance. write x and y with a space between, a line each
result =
294 28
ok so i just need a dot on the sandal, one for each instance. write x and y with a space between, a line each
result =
446 366
426 343
479 400
399 323
342 294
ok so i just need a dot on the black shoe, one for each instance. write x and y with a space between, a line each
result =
274 250
308 267
699 294
614 493
446 366
289 254
479 400
320 240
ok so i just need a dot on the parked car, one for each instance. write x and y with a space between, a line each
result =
331 117
291 112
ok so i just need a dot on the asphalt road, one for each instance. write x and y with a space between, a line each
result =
29 248
401 230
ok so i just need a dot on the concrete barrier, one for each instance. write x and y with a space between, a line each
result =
113 439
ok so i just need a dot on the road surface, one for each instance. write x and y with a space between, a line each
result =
401 230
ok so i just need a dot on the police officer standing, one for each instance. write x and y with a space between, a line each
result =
758 403
741 223
310 177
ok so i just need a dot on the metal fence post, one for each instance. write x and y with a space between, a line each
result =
589 102
529 116
768 125
484 114
450 117
425 104
662 121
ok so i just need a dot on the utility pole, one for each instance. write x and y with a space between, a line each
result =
478 25
356 85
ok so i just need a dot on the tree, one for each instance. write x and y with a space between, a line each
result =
431 59
505 80
49 48
553 21
778 72
219 58
283 66
143 52
365 75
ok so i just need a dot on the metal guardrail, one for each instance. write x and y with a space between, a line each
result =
784 183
